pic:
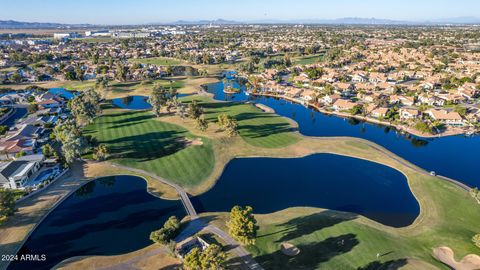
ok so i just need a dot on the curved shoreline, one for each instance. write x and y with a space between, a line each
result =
59 202
398 127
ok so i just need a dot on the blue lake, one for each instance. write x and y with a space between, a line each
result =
132 103
136 102
321 180
455 156
108 216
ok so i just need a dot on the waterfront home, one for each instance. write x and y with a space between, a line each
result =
329 99
343 105
14 174
308 95
407 114
448 118
379 112
293 92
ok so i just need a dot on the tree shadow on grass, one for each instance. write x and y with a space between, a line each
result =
311 254
305 225
147 146
388 265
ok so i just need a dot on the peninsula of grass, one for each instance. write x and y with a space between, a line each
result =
256 127
136 139
159 61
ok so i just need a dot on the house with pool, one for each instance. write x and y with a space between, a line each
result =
15 174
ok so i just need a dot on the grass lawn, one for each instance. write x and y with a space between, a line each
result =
307 59
255 127
159 61
136 139
120 89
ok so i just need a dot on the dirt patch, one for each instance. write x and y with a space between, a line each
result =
289 249
446 256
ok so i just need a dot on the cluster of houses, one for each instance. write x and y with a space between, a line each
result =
22 163
414 93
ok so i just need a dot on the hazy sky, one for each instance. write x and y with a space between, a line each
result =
150 11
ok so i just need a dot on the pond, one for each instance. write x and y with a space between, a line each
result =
136 102
132 103
327 181
107 216
453 156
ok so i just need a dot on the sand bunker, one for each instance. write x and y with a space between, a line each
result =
289 249
189 142
446 256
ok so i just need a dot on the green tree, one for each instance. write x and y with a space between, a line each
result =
86 106
192 260
194 110
357 109
101 152
7 204
3 129
72 147
122 72
159 98
167 232
212 258
16 78
101 85
242 225
227 123
201 123
48 150
20 154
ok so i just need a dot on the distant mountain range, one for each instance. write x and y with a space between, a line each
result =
10 24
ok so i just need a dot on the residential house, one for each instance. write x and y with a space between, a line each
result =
449 118
379 112
14 174
343 104
407 114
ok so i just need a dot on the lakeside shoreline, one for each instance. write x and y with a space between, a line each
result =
400 128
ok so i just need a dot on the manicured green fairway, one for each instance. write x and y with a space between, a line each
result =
138 140
255 126
159 61
331 240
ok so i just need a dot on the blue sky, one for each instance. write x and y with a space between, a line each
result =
150 11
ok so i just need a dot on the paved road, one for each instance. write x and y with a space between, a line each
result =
196 225
238 250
